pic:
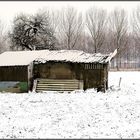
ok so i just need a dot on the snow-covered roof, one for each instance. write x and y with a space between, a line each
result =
73 56
17 58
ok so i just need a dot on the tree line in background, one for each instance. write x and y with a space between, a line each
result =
96 31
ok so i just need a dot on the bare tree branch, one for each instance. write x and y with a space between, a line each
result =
96 24
33 32
71 26
118 24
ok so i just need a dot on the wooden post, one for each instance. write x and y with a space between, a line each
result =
120 81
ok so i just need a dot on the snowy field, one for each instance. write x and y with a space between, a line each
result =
81 114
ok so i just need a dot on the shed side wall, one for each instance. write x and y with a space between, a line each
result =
14 73
14 79
96 77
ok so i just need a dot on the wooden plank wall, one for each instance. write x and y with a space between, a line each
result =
13 73
93 75
96 76
53 70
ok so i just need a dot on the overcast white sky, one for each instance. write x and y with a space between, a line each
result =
9 9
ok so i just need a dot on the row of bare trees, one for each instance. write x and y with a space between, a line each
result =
96 31
66 29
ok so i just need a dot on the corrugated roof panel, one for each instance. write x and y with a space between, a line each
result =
26 57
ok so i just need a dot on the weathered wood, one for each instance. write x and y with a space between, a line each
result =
57 85
93 75
34 85
13 73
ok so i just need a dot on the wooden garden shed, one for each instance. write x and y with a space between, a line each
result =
58 70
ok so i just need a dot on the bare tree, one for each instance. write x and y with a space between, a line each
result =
3 38
135 22
53 18
70 27
96 24
118 25
33 32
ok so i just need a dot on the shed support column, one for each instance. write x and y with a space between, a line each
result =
81 86
106 77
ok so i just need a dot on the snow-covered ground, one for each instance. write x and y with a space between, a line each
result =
81 114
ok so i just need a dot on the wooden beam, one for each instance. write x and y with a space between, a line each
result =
111 56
